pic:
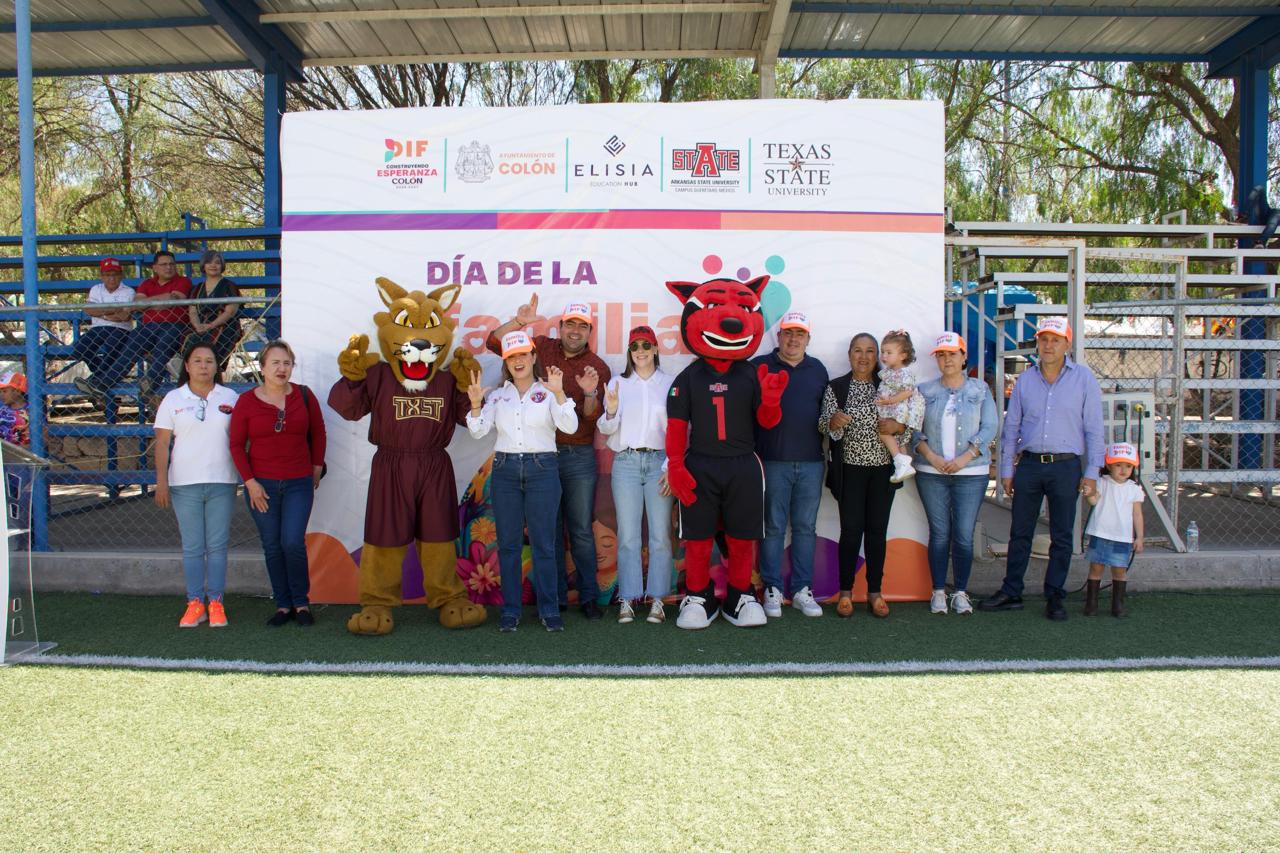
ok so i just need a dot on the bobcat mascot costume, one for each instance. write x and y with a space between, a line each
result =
414 407
712 409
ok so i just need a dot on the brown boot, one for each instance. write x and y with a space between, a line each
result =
1117 599
1091 597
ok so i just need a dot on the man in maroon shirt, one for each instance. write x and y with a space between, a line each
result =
584 373
161 331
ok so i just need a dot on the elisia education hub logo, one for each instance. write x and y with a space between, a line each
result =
405 162
613 170
706 168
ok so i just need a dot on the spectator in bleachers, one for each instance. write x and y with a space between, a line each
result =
216 325
277 442
15 427
160 333
198 478
102 345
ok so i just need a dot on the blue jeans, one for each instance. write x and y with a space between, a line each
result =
100 347
204 522
792 492
160 340
951 503
635 495
577 510
1034 481
525 490
283 530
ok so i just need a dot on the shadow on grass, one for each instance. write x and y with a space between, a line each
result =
1165 630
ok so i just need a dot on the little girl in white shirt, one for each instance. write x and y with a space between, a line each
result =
1114 528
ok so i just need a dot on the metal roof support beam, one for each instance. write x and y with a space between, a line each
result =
107 26
999 55
30 287
1045 10
1259 42
159 68
527 56
266 46
369 15
772 27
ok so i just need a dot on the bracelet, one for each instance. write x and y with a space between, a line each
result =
590 394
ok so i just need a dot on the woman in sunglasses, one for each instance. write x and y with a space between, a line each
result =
277 442
198 479
635 420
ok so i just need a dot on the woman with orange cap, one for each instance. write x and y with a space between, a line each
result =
525 482
953 462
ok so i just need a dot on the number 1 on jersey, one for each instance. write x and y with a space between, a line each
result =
718 402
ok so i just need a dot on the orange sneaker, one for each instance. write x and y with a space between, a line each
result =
879 607
194 616
844 607
217 615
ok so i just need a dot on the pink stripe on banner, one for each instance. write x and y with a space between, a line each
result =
914 223
620 220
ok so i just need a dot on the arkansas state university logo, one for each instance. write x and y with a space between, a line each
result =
705 168
718 387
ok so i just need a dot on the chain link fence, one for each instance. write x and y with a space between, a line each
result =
1196 342
94 401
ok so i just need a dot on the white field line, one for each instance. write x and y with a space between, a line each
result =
658 670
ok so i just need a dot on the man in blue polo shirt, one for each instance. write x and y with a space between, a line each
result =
793 469
1051 448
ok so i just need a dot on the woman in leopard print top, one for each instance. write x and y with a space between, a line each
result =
865 495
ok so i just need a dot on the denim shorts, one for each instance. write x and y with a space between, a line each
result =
1108 552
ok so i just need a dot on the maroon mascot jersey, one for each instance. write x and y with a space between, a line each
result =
411 467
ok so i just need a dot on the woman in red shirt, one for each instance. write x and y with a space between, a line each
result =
277 443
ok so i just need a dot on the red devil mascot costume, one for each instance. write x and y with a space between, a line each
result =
712 409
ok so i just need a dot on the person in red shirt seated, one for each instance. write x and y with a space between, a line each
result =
158 335
277 442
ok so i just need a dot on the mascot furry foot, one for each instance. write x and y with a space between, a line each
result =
461 613
371 621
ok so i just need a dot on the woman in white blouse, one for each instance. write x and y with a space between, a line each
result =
198 479
635 420
525 483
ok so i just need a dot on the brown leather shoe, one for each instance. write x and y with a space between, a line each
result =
879 607
844 607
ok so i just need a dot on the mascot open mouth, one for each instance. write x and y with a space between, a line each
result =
719 343
416 370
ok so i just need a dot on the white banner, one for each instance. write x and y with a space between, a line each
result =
841 203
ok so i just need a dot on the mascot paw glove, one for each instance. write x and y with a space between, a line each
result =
771 387
679 479
463 365
354 361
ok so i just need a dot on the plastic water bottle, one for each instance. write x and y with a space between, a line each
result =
1193 537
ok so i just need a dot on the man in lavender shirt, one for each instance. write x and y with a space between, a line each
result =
1052 435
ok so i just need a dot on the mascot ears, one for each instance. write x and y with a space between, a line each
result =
389 292
685 289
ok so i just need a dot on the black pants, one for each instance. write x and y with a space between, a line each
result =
866 496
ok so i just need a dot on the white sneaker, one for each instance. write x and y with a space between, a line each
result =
805 603
747 614
625 613
961 604
693 613
773 602
902 469
656 613
938 603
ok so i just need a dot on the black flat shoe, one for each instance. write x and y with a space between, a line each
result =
305 619
1000 601
592 611
280 617
1056 610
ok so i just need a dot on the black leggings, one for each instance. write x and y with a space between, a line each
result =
866 496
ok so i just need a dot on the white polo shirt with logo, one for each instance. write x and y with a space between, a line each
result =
201 449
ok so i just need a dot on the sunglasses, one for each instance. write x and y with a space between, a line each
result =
204 404
279 420
636 346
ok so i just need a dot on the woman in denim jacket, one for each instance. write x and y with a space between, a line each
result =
952 461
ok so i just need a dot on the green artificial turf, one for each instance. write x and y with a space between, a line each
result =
1167 624
110 759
